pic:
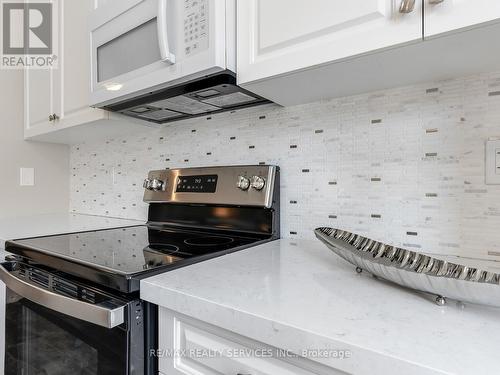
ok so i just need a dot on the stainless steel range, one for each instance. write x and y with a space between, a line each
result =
73 302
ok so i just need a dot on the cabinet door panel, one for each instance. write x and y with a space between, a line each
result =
450 15
39 97
63 91
280 36
76 57
191 347
302 23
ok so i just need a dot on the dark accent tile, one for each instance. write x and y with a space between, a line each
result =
376 216
232 138
251 147
376 179
262 117
377 121
412 233
262 163
431 154
430 91
193 131
332 216
494 93
332 182
431 195
319 131
293 232
209 118
293 146
494 253
305 171
293 202
186 160
429 131
209 153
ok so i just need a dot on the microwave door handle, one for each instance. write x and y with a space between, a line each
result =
165 53
98 315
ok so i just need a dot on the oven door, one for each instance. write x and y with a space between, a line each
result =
47 332
138 46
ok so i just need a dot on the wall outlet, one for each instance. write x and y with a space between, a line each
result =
27 177
493 162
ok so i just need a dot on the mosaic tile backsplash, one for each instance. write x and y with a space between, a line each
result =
403 166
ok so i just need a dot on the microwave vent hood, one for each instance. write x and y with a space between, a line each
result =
201 97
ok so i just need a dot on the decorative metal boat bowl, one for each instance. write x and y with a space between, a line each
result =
415 270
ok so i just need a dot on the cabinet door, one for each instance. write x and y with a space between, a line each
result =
279 36
63 91
190 347
442 16
40 98
75 83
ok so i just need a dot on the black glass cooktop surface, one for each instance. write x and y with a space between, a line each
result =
132 250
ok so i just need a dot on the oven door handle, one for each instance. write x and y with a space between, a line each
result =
95 314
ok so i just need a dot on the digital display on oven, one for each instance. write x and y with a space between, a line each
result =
196 184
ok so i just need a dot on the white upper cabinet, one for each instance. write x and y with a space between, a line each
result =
57 100
442 16
280 36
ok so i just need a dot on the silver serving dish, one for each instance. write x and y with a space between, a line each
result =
416 270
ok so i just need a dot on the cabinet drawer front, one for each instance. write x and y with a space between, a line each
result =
187 346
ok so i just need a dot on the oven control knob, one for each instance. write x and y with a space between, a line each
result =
147 184
258 182
243 183
157 185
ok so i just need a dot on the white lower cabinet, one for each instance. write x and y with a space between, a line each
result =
190 346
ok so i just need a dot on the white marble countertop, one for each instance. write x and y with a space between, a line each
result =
298 295
49 224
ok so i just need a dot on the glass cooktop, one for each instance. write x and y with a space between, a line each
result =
134 249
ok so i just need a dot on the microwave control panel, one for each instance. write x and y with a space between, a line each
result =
195 26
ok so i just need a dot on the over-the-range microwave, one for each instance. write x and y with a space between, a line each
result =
165 60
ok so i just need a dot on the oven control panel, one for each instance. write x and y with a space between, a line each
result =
197 184
238 185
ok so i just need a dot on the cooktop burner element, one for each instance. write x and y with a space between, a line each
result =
194 214
162 248
209 241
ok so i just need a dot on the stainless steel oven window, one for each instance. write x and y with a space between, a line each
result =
133 50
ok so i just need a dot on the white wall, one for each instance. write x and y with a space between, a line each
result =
405 166
51 162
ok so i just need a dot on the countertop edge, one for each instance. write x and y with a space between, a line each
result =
244 323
